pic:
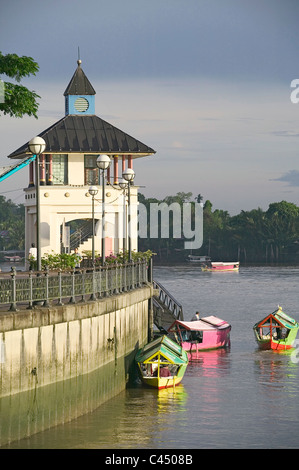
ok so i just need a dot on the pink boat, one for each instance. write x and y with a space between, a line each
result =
222 267
195 336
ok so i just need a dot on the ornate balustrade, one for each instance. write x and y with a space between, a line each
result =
28 289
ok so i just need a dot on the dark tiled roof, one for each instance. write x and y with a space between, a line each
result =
79 84
87 134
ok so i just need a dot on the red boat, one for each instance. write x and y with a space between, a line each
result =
13 259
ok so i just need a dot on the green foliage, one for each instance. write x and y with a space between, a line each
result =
251 236
120 258
65 261
18 100
12 221
59 261
55 261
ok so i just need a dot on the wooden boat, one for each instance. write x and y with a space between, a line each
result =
162 363
276 331
202 260
13 259
196 336
222 267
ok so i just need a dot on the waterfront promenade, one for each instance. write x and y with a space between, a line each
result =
68 342
25 289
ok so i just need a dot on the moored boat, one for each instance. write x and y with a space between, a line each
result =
202 260
276 331
196 336
222 267
13 259
162 363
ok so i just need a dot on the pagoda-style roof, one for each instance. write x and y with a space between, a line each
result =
87 134
79 84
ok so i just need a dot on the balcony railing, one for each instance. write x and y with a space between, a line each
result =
27 289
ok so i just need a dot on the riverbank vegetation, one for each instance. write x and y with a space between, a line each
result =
254 236
12 225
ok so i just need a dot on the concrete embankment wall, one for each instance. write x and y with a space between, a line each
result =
61 362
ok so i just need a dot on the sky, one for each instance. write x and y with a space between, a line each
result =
205 83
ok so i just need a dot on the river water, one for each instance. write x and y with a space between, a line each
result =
229 399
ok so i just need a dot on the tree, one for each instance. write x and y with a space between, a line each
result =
199 198
12 225
250 236
18 100
283 220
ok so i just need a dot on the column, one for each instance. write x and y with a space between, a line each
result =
31 177
115 164
42 170
50 170
130 162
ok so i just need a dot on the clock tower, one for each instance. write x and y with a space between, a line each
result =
79 94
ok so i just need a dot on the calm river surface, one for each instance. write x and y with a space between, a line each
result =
240 398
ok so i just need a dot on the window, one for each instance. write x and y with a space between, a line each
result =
91 171
59 169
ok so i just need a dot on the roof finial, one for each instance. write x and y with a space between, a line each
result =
79 61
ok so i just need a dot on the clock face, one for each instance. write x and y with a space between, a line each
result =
81 105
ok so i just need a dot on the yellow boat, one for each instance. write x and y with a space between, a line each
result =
162 363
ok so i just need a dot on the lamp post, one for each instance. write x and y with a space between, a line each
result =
129 176
37 146
103 162
93 191
123 185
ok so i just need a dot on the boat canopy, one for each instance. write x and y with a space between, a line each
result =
164 346
204 324
278 316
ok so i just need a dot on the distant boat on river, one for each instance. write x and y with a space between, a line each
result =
201 260
221 266
13 259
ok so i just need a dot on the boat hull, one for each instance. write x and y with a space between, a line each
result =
275 345
164 382
211 340
222 267
205 334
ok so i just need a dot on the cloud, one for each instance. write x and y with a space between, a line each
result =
291 177
286 133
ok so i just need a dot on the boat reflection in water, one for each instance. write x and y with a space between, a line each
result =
214 363
172 400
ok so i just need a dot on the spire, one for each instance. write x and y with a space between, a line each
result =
79 84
